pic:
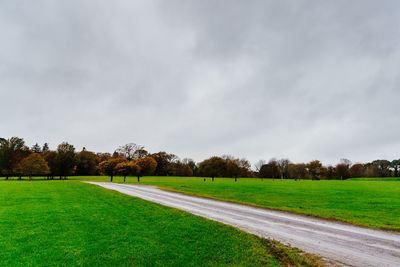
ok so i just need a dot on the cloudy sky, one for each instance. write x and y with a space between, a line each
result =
258 79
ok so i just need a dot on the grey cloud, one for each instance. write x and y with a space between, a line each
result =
305 80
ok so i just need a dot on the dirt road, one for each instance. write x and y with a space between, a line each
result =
343 243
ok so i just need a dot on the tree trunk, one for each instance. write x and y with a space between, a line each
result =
235 179
60 177
111 177
204 179
6 177
213 178
138 178
124 178
19 178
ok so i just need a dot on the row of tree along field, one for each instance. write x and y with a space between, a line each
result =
18 160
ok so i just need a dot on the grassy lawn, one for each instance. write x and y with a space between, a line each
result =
369 202
71 223
376 179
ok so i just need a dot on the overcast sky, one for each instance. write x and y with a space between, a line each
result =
301 80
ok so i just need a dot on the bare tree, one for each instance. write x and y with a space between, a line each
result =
227 157
132 151
259 164
346 161
284 167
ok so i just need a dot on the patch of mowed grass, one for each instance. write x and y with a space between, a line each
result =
367 203
71 223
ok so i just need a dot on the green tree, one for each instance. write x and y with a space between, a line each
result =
11 152
232 169
236 167
45 147
65 159
258 165
315 169
213 167
164 161
395 164
270 170
192 165
382 167
86 163
50 157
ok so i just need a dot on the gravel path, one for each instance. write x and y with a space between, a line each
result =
334 241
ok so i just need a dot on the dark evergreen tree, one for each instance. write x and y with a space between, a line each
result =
45 147
36 148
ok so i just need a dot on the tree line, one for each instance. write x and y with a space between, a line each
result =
284 169
19 160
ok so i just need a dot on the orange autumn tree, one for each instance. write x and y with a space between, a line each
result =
147 166
108 167
33 165
128 168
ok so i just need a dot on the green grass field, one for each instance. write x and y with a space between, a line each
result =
68 223
73 223
382 179
371 202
